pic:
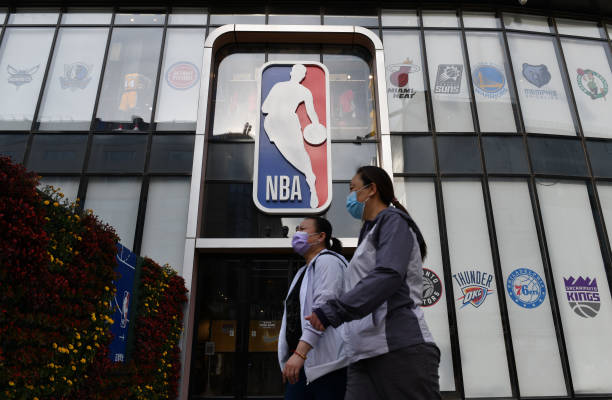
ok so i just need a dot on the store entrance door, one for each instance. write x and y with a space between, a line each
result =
238 316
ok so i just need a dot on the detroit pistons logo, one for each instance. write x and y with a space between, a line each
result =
292 172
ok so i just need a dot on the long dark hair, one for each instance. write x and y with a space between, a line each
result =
371 174
323 225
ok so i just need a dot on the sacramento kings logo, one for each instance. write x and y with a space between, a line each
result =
432 288
526 288
583 296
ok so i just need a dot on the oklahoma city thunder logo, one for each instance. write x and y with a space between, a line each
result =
292 148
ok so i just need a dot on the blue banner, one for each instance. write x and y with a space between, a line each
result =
122 302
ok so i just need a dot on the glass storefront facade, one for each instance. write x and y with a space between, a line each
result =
501 148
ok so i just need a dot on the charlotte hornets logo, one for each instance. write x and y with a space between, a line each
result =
292 150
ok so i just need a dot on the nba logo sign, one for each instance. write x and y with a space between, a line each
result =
292 172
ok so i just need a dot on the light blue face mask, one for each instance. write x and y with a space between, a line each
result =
353 206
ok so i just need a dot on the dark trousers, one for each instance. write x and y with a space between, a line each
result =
410 373
331 386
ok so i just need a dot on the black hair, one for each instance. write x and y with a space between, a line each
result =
324 226
371 174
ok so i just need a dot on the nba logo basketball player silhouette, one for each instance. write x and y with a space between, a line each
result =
292 146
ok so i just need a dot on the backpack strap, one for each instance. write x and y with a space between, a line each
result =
331 253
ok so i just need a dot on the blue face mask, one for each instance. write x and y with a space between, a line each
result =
353 206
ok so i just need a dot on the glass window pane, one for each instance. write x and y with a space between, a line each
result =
13 146
604 190
235 102
177 101
419 197
352 95
57 153
440 19
347 157
451 97
588 66
2 17
405 88
290 55
117 153
526 22
222 19
580 281
82 17
163 237
541 89
481 335
344 225
129 79
115 201
399 18
187 16
578 28
284 19
458 155
230 161
139 19
491 82
412 154
600 155
72 83
529 310
480 20
33 18
358 20
172 153
25 70
67 185
505 155
557 156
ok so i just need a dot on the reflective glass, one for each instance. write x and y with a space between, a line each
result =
235 104
358 20
163 237
187 17
230 161
578 28
115 201
505 155
419 198
67 185
481 336
541 89
13 146
24 74
526 22
480 20
72 82
139 19
528 295
280 55
413 154
284 19
447 19
172 153
57 153
222 19
451 96
347 157
82 17
344 225
2 17
126 99
177 100
458 155
399 18
588 65
405 88
117 153
33 18
600 155
491 82
580 279
557 156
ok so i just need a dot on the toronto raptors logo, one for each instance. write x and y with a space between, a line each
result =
432 288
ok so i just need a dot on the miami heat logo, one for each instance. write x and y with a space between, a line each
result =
292 172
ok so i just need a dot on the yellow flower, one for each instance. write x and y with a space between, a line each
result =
11 383
55 345
106 288
69 382
93 316
35 398
88 347
46 202
55 204
73 368
78 336
51 378
70 346
83 361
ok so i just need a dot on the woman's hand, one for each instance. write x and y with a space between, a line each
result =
291 372
315 322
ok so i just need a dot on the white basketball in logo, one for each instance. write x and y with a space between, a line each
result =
315 134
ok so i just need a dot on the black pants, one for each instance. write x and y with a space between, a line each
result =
410 373
331 386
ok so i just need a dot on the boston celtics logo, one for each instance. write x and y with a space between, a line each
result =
591 83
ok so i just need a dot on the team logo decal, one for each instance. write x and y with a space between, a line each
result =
526 288
489 80
76 76
448 79
583 296
538 75
432 288
19 77
182 75
292 147
399 77
591 83
475 286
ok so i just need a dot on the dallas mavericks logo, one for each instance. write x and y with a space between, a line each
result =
292 148
526 288
76 76
475 286
583 296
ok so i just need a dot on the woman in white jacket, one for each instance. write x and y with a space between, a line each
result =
313 362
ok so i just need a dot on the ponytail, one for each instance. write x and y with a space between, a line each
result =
336 245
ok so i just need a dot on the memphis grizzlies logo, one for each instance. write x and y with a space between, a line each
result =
292 172
526 288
